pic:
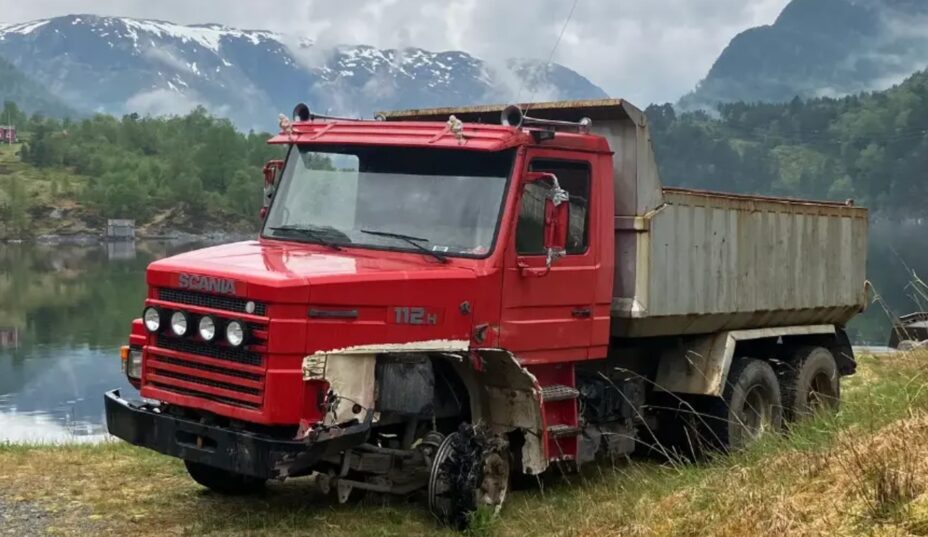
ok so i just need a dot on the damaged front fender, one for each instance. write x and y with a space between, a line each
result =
503 395
507 397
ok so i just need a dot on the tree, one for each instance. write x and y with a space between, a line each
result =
12 115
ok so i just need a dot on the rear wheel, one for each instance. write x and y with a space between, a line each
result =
750 407
223 481
811 383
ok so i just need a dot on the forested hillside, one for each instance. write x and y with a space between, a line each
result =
193 173
872 147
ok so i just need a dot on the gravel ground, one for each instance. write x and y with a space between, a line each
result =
22 518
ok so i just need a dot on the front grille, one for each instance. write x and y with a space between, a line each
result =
206 382
210 368
212 350
192 375
204 395
205 300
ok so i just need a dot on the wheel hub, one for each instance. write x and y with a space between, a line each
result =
470 471
757 414
820 391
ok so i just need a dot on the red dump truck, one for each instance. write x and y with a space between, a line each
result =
440 300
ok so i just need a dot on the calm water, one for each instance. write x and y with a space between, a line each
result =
65 310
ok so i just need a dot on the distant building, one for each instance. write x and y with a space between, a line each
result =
9 338
7 134
120 230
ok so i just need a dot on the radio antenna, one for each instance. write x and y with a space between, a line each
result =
557 43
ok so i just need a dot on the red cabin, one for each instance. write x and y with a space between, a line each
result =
7 134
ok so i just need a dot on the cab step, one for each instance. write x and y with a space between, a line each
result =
558 392
563 431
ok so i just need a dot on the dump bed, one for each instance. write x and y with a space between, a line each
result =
705 261
693 262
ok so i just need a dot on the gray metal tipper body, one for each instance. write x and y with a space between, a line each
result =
696 262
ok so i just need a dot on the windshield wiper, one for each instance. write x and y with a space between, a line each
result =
415 241
315 234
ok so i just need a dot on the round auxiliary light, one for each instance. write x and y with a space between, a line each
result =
179 323
152 319
235 333
207 328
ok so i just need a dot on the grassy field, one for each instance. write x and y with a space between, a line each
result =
862 472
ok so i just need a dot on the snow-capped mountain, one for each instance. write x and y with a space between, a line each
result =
121 65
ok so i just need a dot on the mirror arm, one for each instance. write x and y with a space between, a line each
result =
551 255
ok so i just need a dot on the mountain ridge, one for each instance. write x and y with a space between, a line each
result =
818 48
122 65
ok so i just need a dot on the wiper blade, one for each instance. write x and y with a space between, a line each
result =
415 241
315 234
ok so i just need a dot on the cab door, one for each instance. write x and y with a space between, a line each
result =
548 316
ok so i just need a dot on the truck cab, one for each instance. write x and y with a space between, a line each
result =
440 294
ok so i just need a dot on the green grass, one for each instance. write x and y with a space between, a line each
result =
863 471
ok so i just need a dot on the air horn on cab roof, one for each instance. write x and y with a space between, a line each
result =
512 116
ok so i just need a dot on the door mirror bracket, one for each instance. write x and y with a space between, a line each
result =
271 170
556 221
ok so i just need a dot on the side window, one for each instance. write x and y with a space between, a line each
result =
574 177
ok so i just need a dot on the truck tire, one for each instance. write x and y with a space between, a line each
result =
751 405
470 471
223 481
810 383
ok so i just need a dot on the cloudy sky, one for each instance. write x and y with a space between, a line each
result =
643 50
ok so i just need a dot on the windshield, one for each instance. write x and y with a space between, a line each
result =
412 199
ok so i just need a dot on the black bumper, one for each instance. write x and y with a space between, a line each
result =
142 424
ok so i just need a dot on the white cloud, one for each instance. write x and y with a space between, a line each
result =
164 57
644 50
161 102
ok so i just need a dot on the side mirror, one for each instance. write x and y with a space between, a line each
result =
271 170
556 222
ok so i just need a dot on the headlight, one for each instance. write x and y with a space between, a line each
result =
179 323
207 328
152 318
235 333
132 362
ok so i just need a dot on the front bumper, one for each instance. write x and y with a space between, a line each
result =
143 424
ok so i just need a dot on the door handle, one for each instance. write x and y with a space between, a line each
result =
582 313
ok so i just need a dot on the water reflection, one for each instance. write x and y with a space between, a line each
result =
896 258
64 312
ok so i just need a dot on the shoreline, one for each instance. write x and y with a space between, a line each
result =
95 239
